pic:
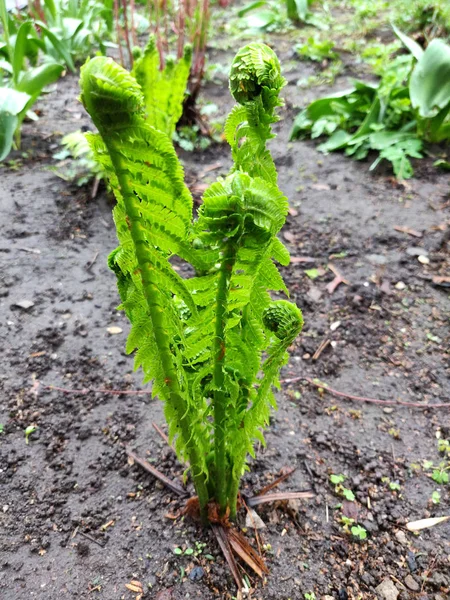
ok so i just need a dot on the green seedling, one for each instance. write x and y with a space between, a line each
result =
213 343
436 497
440 474
337 481
393 486
350 528
444 446
358 532
28 431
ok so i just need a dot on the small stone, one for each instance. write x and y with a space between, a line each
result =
25 304
401 537
335 325
387 590
411 561
416 251
376 259
388 410
253 520
327 598
114 330
5 508
196 574
314 293
411 583
423 259
400 285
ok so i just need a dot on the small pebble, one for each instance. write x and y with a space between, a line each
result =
423 259
411 583
25 304
401 537
400 285
387 590
196 574
416 251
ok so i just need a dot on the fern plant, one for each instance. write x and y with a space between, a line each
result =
211 344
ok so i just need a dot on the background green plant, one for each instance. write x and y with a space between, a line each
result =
21 78
409 106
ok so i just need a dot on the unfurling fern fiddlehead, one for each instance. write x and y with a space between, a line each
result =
200 340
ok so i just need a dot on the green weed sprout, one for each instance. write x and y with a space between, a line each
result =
211 344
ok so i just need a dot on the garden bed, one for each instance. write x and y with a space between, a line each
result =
79 521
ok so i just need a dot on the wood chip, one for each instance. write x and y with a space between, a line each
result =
321 187
243 549
134 586
279 496
408 231
114 330
302 259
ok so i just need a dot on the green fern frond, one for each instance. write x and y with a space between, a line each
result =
147 173
211 344
164 90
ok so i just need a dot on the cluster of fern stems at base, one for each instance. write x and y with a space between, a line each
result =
211 344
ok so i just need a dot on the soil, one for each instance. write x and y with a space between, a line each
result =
79 521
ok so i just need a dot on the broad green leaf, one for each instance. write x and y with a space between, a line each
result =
8 124
297 9
411 44
6 66
249 7
383 139
337 141
51 7
59 46
20 48
34 80
12 102
71 27
324 106
429 86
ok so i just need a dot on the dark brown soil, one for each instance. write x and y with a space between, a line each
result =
77 521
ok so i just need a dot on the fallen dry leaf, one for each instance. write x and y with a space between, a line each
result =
425 523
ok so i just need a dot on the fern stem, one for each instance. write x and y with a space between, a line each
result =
233 493
156 308
220 396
